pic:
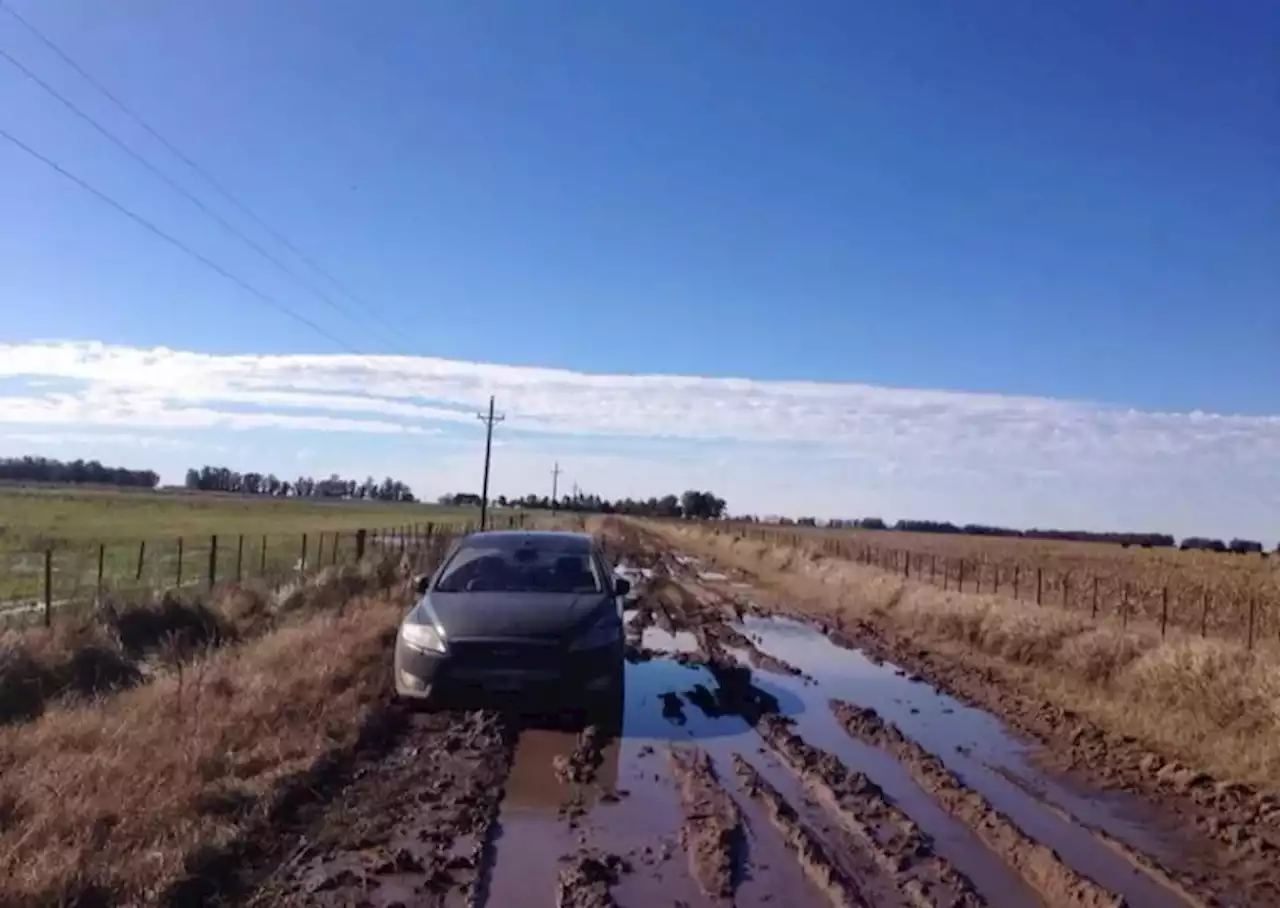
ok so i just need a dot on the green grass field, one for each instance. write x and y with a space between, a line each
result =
156 540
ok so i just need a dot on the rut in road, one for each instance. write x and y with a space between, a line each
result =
735 780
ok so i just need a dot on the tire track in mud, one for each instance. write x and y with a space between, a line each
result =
889 836
818 863
1042 868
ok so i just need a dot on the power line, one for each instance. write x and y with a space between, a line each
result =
186 159
179 188
168 238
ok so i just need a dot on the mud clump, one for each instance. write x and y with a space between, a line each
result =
1038 865
712 831
588 880
580 766
818 864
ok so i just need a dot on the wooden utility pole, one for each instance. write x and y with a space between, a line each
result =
489 422
555 484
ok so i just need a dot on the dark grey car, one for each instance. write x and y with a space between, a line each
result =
534 615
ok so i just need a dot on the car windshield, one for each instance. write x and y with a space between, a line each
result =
526 569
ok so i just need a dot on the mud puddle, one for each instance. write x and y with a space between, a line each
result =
970 743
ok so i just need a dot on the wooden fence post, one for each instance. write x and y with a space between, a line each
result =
360 541
1017 578
304 553
213 561
102 557
960 577
1164 611
1066 590
1253 607
933 568
333 549
1039 585
946 571
179 583
1124 605
262 557
906 564
1204 615
142 551
995 579
1095 596
48 587
240 559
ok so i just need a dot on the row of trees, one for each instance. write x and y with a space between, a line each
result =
692 504
1146 540
223 479
47 469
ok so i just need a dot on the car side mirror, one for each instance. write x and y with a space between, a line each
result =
421 582
621 586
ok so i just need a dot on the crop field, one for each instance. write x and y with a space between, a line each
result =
1206 593
107 541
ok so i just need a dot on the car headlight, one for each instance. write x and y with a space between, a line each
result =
422 637
605 631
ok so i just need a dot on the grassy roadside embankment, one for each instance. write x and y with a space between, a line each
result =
1209 703
119 784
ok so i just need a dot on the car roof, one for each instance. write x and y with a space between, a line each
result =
547 540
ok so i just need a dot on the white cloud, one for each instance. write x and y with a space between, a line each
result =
776 446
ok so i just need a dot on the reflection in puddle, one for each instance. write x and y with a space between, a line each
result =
969 741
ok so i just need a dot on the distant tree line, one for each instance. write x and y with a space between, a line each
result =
222 479
47 469
692 504
1146 540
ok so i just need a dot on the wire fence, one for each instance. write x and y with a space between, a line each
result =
37 585
1242 612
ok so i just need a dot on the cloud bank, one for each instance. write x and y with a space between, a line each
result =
786 447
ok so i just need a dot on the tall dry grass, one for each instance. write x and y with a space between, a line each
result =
1211 703
108 801
125 643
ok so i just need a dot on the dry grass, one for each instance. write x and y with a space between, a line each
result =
121 645
1210 703
1207 592
113 797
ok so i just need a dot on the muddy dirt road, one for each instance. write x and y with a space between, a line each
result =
759 763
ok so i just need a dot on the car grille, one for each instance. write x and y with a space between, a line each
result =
477 654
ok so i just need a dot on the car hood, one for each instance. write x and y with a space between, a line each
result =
543 615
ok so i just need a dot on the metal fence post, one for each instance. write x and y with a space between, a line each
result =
179 583
213 561
102 557
48 587
240 558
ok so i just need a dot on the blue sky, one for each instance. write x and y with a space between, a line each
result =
1073 210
